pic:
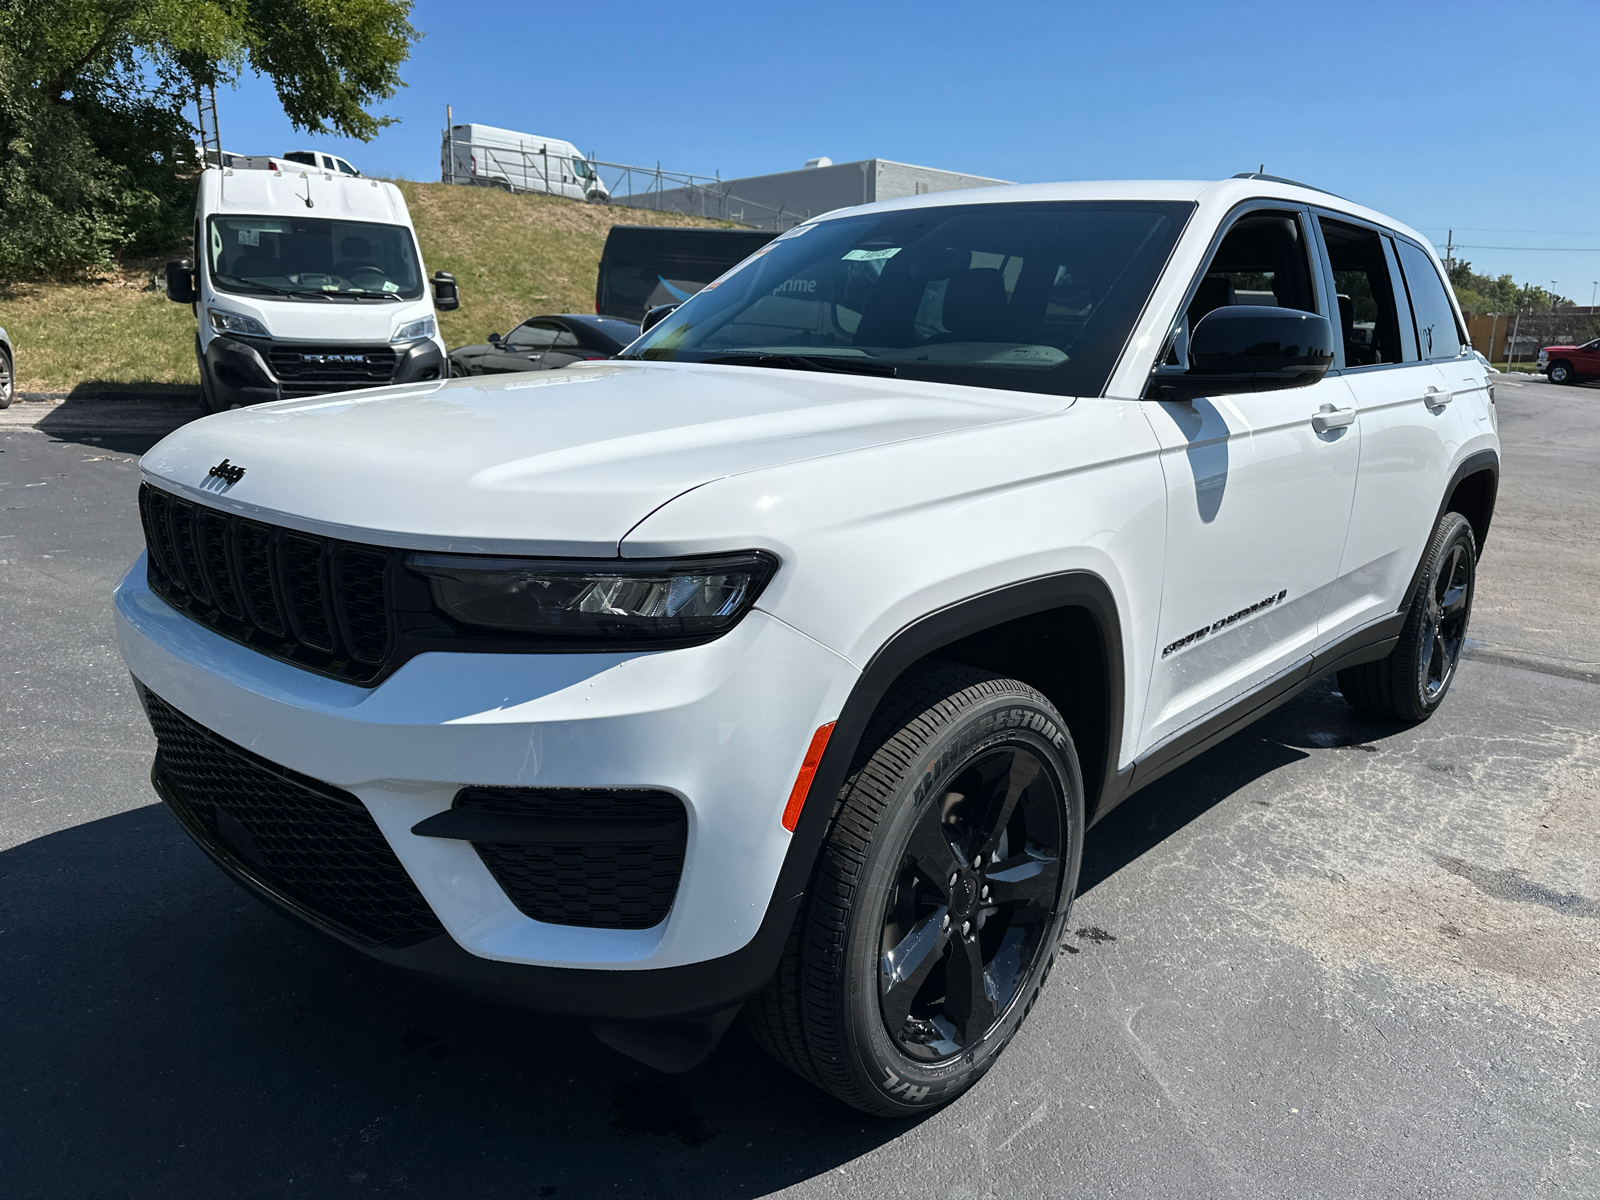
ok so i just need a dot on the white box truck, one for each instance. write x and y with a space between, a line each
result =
307 282
484 156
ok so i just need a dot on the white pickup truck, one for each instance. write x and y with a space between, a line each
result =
781 664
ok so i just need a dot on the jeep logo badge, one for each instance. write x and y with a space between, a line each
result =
226 472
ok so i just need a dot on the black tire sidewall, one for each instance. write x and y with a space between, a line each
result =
10 392
1459 531
877 1063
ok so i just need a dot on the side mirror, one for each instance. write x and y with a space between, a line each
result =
446 298
494 339
180 282
1249 348
655 316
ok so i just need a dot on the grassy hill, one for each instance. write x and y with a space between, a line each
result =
514 256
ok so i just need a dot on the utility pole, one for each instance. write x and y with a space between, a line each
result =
449 145
1592 287
1449 250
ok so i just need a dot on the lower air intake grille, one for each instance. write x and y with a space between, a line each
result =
598 882
313 844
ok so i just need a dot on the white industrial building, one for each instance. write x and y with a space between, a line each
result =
783 200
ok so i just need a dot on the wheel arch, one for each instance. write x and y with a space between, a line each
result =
1475 482
1072 615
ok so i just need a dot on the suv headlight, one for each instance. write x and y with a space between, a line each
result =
228 322
414 329
613 601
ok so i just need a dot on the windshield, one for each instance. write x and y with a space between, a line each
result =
310 256
1034 297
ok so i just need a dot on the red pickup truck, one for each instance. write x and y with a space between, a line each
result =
1571 364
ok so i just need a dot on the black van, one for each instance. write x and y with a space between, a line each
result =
646 265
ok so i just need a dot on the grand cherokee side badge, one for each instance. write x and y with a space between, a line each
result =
226 472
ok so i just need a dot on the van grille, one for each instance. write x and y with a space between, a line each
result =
312 844
358 366
321 604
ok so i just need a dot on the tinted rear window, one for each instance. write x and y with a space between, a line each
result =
1438 335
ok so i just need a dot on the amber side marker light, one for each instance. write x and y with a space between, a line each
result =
802 781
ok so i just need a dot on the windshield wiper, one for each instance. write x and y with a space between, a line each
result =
806 362
267 287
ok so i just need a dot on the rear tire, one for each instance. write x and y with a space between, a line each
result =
1561 372
939 897
1411 682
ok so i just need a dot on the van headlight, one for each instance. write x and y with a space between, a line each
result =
224 321
675 600
414 329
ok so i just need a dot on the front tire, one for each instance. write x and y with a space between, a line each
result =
939 897
8 383
1561 372
1410 683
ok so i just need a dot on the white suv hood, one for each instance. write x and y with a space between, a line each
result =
554 462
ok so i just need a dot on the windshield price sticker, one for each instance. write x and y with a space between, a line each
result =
871 255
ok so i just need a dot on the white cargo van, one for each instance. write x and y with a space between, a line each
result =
519 162
307 282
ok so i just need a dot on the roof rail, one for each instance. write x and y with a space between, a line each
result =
1291 182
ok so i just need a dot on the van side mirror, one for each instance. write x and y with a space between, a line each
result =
1248 348
655 316
180 282
446 298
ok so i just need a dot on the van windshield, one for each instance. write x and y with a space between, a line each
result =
313 257
1034 297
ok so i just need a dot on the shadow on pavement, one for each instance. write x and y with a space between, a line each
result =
167 1035
1317 719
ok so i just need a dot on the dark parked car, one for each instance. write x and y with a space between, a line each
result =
544 343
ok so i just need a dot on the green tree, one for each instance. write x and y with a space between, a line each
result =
1484 294
96 146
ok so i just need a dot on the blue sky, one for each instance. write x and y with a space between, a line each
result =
1472 116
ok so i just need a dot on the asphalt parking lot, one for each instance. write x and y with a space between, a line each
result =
1328 958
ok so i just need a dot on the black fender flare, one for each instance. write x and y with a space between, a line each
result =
1473 464
917 640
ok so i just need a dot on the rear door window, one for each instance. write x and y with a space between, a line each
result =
1369 318
1438 335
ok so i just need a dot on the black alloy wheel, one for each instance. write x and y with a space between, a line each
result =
1561 372
1444 621
939 898
1410 683
965 921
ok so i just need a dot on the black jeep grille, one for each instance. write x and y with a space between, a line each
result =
331 366
313 601
598 882
313 844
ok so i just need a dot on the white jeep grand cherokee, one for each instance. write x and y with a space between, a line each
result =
782 663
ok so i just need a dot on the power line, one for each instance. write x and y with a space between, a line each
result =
1551 232
1551 249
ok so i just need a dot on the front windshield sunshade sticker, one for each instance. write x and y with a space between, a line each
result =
1218 626
871 255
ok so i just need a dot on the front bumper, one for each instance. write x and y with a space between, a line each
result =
723 726
239 371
